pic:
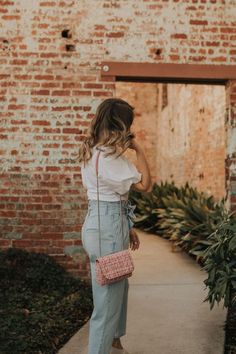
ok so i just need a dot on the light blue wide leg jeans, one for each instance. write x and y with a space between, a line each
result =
109 315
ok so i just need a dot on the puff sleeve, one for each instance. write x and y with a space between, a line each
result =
118 173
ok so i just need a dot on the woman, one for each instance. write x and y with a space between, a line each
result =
110 134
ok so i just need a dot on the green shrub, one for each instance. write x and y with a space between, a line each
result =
220 262
196 223
183 215
41 304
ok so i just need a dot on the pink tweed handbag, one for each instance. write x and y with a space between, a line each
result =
115 266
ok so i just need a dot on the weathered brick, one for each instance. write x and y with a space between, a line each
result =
12 235
73 250
71 235
199 22
179 36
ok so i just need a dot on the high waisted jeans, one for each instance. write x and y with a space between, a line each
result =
109 315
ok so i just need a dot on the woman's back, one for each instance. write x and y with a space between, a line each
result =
116 175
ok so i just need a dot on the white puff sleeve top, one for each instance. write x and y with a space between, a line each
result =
115 175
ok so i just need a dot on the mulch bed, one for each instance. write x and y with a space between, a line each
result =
41 304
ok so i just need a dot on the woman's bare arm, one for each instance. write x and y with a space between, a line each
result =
145 185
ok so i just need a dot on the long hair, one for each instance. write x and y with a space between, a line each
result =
109 128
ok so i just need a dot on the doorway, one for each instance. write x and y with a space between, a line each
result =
188 74
182 129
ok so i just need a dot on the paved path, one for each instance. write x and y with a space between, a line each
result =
166 312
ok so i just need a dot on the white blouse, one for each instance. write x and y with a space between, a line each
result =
115 176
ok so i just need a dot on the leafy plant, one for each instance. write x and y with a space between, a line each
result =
220 262
183 215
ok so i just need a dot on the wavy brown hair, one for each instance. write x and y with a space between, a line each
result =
109 128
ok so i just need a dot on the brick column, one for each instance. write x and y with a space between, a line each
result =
230 124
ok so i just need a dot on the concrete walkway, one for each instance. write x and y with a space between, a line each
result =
166 313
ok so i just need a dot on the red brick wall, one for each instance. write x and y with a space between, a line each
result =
50 87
